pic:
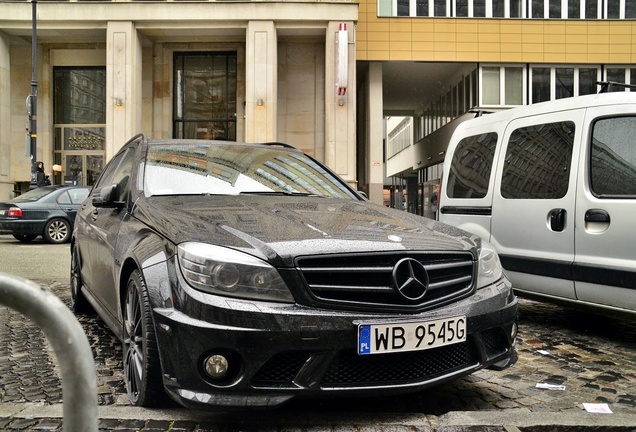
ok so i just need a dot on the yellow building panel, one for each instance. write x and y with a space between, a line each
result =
486 56
532 38
382 45
598 28
598 58
555 38
571 57
507 48
576 28
621 28
466 38
489 38
400 37
379 27
401 55
620 39
620 49
423 46
445 26
467 26
554 57
533 57
554 27
445 47
445 56
401 26
424 37
378 55
422 26
529 27
576 39
445 37
489 26
511 57
422 56
467 47
532 48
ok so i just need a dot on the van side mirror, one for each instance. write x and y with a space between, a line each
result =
107 196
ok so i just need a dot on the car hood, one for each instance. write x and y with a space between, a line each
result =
280 228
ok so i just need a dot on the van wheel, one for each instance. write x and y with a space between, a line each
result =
57 231
142 370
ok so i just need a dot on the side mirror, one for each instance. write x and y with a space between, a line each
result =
107 196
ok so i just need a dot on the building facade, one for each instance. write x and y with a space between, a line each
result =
322 76
108 70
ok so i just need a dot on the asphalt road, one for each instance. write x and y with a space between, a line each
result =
581 357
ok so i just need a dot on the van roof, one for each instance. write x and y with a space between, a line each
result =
592 100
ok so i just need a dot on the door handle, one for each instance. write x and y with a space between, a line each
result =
597 215
557 219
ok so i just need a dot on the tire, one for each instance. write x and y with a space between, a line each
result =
25 238
78 300
57 231
142 369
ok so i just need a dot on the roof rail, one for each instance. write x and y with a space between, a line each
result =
606 86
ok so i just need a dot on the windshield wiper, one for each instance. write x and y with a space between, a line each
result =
281 193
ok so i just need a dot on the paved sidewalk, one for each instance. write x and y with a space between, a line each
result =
593 357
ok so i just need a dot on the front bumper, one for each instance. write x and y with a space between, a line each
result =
277 351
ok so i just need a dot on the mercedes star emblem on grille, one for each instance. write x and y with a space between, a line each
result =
410 279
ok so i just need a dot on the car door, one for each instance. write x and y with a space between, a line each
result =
71 200
605 256
533 208
101 227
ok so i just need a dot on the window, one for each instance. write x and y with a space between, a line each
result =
613 158
205 95
502 85
537 164
470 170
79 123
549 83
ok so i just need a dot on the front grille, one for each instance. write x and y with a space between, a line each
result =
365 281
495 341
348 369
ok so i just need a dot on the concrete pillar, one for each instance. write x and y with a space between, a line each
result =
123 85
340 109
375 133
6 187
261 60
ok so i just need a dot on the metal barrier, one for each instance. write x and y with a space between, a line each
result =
66 336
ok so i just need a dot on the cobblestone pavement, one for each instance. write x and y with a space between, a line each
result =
592 356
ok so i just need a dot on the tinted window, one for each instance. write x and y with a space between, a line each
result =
537 164
613 157
471 166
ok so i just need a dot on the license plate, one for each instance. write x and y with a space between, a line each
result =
410 336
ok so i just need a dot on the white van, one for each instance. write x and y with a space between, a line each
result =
553 187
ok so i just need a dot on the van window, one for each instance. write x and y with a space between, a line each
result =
471 166
538 159
613 157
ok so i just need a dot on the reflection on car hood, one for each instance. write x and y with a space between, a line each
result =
279 228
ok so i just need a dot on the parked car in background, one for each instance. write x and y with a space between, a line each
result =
48 211
553 187
244 275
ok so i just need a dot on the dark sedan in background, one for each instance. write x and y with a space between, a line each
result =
48 211
244 275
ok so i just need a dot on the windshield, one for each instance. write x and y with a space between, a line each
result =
233 169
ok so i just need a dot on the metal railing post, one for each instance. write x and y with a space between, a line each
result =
66 336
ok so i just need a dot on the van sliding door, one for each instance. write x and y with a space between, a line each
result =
533 205
605 252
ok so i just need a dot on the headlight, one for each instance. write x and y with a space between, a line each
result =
227 272
490 270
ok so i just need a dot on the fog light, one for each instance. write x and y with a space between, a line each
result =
216 366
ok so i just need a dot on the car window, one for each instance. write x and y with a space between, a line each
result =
64 198
613 157
231 169
33 195
118 172
537 163
78 195
471 166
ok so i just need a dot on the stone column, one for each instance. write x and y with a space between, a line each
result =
5 118
340 128
375 133
261 60
123 85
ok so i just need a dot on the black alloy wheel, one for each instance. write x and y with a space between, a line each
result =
78 300
57 231
142 370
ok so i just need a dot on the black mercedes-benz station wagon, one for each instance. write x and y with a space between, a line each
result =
244 275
